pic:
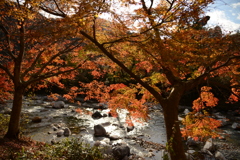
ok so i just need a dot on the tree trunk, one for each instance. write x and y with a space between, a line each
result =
174 137
14 124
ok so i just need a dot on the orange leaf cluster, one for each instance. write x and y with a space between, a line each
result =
198 124
206 99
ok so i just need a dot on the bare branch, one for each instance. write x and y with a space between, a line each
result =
53 12
58 7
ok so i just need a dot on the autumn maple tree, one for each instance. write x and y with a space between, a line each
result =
34 50
165 50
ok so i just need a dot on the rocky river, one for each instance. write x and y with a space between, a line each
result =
51 121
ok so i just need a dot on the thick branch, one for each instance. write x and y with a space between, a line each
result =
120 64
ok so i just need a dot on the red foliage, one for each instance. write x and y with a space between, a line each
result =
198 124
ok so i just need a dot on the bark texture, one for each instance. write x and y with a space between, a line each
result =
14 124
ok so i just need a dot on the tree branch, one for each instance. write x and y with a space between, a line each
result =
59 7
120 64
45 76
53 12
66 50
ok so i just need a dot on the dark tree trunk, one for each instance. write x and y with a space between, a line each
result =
14 124
174 137
170 110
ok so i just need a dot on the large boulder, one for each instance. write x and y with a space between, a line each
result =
120 151
99 131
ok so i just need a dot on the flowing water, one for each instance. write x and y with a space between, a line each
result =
81 126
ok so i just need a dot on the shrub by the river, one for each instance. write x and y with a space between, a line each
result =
68 149
76 149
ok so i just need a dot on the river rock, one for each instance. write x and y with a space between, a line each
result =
209 145
99 131
114 137
236 126
60 132
121 151
96 115
37 120
219 156
130 128
54 141
58 104
67 132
